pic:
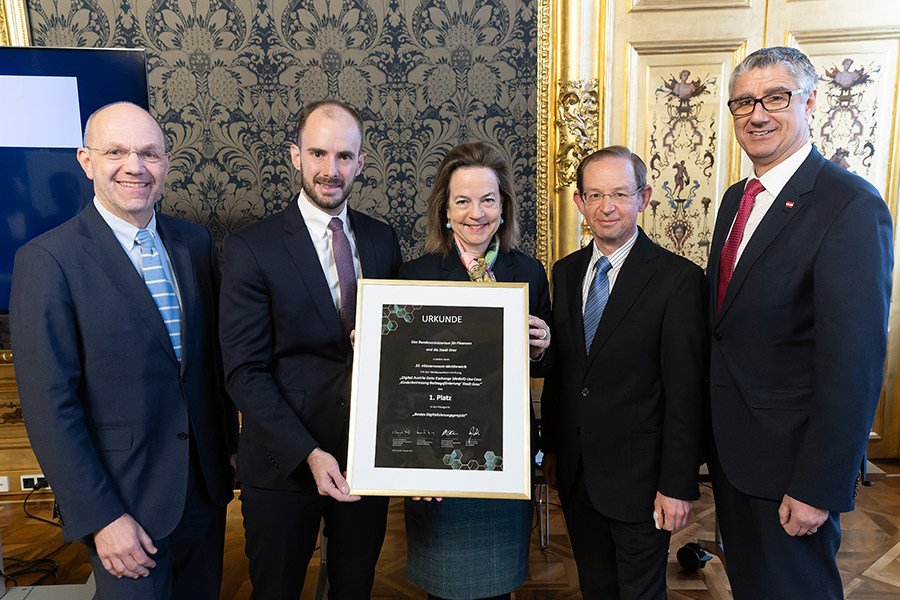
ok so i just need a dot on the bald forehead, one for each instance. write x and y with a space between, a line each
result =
333 117
117 117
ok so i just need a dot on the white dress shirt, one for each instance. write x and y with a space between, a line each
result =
126 233
317 222
616 259
774 181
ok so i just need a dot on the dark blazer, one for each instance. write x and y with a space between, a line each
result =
632 410
108 409
287 364
798 348
510 266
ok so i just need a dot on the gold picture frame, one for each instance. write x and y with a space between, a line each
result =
440 401
14 30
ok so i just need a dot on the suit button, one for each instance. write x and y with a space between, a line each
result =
585 392
184 376
717 337
182 436
340 402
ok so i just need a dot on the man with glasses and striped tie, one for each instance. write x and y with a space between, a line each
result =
623 408
113 322
800 277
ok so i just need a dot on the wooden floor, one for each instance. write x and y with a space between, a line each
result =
869 557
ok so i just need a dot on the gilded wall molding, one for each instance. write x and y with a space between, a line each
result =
14 23
668 5
843 35
578 125
542 176
572 78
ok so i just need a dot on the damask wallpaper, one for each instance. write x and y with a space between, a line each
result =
228 77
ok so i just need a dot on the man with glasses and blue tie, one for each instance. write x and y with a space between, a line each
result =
800 278
623 409
113 323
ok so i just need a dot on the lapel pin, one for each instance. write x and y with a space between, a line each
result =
789 204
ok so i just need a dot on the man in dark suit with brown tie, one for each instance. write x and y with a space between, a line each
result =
288 305
623 408
800 277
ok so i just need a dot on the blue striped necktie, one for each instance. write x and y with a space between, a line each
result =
160 288
596 301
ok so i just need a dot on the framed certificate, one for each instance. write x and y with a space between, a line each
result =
440 404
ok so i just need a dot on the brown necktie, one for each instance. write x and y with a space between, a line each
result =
343 259
729 250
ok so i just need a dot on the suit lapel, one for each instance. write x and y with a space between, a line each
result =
101 244
775 220
452 268
573 286
300 246
730 204
636 271
183 270
365 245
502 268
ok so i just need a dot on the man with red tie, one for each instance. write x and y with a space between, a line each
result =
800 280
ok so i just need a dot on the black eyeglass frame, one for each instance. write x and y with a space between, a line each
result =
762 101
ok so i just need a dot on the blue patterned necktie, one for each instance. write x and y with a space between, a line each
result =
160 288
596 301
343 260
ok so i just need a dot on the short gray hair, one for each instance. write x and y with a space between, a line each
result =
791 60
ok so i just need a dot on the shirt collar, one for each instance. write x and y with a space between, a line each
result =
124 231
316 219
777 177
618 255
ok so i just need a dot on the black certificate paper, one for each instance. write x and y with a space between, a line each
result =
441 388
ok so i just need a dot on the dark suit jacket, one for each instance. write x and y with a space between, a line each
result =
631 410
105 401
287 364
512 266
799 346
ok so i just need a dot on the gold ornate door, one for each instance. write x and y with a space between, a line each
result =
653 75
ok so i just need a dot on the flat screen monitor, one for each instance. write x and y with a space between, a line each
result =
46 96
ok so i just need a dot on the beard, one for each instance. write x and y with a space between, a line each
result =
325 202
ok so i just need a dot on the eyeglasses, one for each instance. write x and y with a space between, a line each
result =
772 103
117 155
592 198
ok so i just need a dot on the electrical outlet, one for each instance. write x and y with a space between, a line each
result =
4 484
29 481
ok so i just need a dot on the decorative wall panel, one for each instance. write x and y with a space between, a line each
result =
857 95
681 158
228 77
680 125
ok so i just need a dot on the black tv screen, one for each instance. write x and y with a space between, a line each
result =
46 96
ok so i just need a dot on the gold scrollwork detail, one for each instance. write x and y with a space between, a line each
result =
14 23
578 121
4 32
542 250
5 356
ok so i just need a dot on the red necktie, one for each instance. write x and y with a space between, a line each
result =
729 250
